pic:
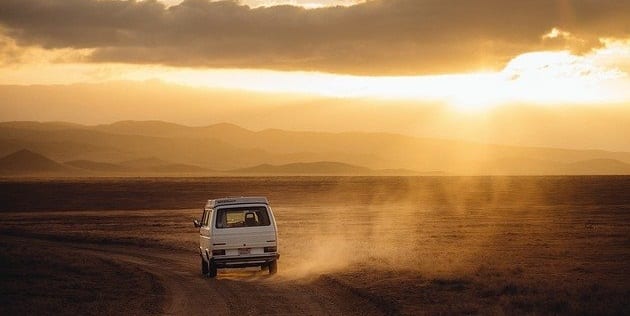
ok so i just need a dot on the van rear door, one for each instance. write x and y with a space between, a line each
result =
243 230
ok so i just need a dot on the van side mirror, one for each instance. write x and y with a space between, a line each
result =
196 223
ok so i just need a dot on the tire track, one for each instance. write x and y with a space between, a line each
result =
233 292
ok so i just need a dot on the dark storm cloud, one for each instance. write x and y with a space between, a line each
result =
376 37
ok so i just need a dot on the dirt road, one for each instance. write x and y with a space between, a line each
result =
233 292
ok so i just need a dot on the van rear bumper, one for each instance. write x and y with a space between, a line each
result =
243 262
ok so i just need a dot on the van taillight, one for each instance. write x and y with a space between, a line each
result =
220 252
271 249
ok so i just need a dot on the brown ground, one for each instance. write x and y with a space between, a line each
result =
536 245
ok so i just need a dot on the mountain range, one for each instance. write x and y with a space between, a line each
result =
157 148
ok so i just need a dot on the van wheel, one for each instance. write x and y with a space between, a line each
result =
273 267
204 267
212 269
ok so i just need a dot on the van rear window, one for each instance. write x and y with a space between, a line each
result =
242 217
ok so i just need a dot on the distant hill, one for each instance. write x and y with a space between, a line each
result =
598 166
577 127
407 172
327 168
144 163
179 168
153 164
165 129
306 168
97 166
137 166
65 145
146 128
27 162
161 147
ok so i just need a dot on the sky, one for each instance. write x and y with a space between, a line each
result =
472 56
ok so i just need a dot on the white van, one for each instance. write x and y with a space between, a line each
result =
237 233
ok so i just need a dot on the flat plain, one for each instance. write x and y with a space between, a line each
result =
349 245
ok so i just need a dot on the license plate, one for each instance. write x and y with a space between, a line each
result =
243 251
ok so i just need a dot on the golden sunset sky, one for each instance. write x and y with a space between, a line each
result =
470 57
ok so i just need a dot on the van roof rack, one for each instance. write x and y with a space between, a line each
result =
237 200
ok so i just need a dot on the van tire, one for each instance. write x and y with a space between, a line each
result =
204 267
273 267
212 269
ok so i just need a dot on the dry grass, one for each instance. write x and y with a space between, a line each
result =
522 245
38 279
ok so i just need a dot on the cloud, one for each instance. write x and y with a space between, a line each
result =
303 3
10 53
376 37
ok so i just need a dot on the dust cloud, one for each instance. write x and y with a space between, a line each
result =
438 226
